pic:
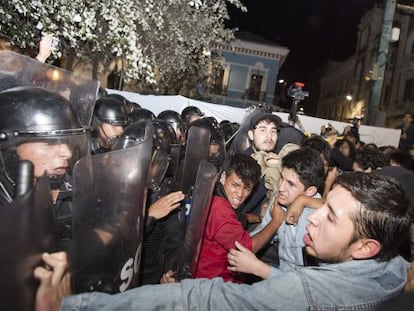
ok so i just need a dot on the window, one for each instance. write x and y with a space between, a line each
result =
408 90
254 92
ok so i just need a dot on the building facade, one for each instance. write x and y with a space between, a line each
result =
345 87
248 76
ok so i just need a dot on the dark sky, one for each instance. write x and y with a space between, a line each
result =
313 30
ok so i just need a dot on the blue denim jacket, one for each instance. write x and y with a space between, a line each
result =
290 238
352 285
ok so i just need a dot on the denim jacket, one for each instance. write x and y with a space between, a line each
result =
352 285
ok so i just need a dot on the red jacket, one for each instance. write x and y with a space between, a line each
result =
222 231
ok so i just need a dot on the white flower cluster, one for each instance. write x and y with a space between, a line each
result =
171 37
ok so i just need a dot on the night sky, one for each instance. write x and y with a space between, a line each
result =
313 30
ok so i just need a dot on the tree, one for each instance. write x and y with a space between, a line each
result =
162 44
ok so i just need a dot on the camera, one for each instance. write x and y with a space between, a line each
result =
295 91
54 43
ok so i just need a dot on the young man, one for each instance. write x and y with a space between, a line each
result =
302 174
241 173
263 137
355 233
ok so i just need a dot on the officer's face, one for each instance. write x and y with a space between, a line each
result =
109 131
264 136
236 190
50 158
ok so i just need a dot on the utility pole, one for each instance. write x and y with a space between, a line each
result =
376 90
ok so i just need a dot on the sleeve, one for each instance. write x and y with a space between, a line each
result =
285 292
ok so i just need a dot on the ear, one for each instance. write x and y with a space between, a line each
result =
250 134
223 178
366 248
311 191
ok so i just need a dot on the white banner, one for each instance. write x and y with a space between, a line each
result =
368 134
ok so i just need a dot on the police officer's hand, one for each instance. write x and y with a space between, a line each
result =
163 206
55 282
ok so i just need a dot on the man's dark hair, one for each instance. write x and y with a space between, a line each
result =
321 145
370 158
382 214
245 167
402 159
307 163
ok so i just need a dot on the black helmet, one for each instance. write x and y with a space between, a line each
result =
141 115
211 124
190 111
173 118
163 138
227 129
111 110
31 114
129 106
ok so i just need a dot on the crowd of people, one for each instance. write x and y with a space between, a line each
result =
293 222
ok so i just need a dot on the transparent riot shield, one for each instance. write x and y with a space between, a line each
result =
202 194
81 92
109 195
159 166
239 142
174 165
198 143
26 231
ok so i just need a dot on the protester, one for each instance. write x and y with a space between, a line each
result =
354 234
407 132
263 135
302 175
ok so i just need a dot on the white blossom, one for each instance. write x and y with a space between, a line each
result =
171 37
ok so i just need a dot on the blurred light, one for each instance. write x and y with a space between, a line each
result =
348 97
281 81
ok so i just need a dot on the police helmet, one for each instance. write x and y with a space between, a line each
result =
141 115
163 136
189 112
172 117
111 110
32 114
211 124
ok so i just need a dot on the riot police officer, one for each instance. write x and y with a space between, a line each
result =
42 127
190 114
217 150
109 119
173 118
163 229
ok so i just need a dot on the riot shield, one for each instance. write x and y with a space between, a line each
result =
81 92
198 143
159 166
174 165
240 140
109 195
26 231
200 207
